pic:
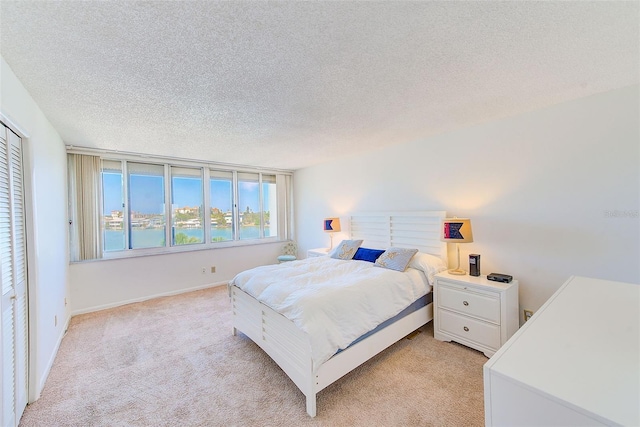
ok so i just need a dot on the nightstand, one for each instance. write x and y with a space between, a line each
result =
317 252
474 311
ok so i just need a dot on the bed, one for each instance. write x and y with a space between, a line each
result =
296 350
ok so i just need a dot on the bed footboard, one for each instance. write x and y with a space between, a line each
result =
354 356
289 347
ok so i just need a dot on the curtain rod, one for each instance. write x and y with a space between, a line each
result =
128 155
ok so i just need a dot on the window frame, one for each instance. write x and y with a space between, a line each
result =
205 169
174 172
128 213
209 177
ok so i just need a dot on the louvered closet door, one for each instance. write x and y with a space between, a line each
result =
14 352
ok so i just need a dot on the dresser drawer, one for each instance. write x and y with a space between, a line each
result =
467 328
485 306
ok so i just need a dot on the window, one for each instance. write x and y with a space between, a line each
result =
187 206
113 230
269 205
258 205
147 225
221 200
155 207
249 205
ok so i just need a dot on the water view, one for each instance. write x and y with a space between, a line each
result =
154 237
148 218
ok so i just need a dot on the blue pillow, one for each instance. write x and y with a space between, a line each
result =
366 254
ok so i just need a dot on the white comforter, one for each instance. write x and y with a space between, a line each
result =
333 301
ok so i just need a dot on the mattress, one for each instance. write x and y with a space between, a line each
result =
416 305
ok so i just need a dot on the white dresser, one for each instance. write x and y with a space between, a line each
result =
576 362
475 311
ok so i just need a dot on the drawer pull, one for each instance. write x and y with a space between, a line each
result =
465 303
466 329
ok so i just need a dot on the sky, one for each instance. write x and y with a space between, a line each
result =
147 193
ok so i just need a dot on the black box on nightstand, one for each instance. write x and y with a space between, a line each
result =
474 265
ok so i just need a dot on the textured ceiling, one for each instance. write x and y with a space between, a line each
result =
292 84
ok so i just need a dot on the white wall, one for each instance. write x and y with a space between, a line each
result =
107 283
537 188
47 229
94 285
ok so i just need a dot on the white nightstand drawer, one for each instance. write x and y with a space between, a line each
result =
486 334
483 306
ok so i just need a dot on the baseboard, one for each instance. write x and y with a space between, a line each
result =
36 394
146 298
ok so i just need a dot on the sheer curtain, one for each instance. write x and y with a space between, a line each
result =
84 199
284 188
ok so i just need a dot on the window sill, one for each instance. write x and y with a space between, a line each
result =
136 253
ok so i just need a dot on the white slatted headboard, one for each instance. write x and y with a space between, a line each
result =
419 230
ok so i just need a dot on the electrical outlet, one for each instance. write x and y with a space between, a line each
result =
55 320
65 302
204 270
527 314
213 269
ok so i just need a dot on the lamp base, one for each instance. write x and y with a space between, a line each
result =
457 271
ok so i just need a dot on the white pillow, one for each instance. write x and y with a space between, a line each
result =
430 265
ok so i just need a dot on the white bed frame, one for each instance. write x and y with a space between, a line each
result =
289 347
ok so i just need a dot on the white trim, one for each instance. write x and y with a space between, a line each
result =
124 166
135 253
168 210
177 161
22 133
206 201
47 369
234 207
146 298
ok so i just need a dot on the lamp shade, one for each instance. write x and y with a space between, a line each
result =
456 230
332 225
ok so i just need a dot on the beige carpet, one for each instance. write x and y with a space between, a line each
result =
173 362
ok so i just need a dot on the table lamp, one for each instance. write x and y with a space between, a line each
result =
456 230
331 225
